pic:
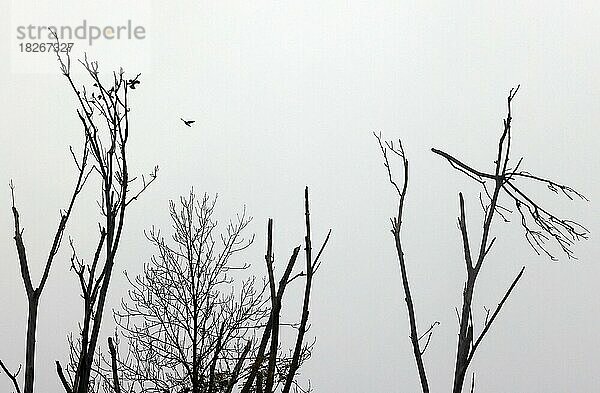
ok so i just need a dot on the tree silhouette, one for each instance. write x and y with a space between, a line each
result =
539 224
184 321
34 293
104 115
192 323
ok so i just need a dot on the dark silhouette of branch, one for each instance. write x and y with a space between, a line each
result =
428 333
283 374
488 322
539 224
12 376
63 379
310 267
271 330
275 310
34 292
396 231
104 116
114 367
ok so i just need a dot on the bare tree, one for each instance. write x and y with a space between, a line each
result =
539 224
34 292
396 221
284 379
104 116
185 319
192 325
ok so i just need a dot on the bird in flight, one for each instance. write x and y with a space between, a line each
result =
188 122
134 82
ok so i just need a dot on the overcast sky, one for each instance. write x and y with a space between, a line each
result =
287 94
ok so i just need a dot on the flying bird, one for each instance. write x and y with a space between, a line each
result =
134 82
188 122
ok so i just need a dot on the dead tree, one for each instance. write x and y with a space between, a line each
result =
265 363
104 115
34 292
415 338
539 224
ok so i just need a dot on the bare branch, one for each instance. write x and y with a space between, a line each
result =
494 315
12 376
396 226
62 377
114 367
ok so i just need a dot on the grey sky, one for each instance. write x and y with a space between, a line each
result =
287 94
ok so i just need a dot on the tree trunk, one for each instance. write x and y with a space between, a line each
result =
30 348
465 337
